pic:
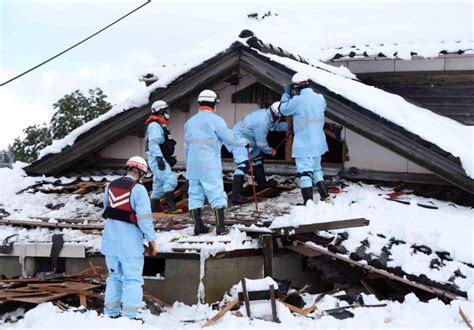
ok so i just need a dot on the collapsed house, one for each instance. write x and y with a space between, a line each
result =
373 135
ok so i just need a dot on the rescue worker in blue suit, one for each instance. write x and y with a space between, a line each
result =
129 220
204 134
254 127
160 150
309 144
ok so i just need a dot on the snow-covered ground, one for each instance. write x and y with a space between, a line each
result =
410 314
448 228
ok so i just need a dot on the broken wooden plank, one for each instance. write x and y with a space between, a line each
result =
432 290
465 318
221 313
149 296
39 299
294 309
303 250
83 300
33 224
309 228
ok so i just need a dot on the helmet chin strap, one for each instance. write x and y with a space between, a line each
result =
137 174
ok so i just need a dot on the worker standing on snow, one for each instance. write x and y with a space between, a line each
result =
254 127
129 219
204 134
160 150
309 144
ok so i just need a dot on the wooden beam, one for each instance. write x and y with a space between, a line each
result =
267 255
221 313
338 224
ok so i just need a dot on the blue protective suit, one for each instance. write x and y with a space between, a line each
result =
166 180
122 245
309 142
204 134
254 127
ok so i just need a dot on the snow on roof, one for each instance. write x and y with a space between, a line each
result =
140 98
423 122
323 29
420 121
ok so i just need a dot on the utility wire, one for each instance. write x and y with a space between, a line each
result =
80 42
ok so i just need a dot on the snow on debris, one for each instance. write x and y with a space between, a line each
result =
412 313
255 285
448 228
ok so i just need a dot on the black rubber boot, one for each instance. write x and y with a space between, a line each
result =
169 196
219 213
237 190
323 192
307 194
155 205
259 173
199 227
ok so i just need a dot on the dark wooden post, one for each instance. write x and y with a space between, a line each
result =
272 300
246 297
267 255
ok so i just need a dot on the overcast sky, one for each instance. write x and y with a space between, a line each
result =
32 31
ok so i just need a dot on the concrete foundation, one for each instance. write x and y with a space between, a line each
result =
181 277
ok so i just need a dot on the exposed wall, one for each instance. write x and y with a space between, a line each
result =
365 154
232 113
125 148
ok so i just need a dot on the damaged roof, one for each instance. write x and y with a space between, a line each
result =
377 115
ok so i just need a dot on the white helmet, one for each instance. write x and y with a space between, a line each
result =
208 96
137 162
299 78
275 110
161 107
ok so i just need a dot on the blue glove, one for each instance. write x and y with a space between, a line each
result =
161 163
287 89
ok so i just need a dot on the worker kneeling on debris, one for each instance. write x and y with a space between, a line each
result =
254 127
129 219
160 150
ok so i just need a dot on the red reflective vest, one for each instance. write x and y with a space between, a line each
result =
119 207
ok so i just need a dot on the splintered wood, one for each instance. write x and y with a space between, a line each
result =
37 293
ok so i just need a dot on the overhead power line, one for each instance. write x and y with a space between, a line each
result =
75 45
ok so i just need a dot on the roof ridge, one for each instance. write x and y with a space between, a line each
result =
254 42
